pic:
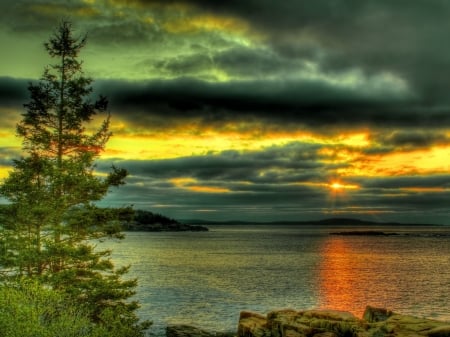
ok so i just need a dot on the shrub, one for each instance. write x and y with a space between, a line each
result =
29 309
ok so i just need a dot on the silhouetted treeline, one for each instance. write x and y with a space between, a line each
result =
154 222
147 217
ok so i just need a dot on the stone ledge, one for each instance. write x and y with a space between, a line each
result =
376 322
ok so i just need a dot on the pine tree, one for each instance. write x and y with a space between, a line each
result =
52 219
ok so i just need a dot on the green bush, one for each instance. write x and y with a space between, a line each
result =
29 310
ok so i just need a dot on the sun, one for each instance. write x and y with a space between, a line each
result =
336 186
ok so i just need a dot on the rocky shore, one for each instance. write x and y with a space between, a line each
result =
376 322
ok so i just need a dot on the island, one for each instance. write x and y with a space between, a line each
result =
146 221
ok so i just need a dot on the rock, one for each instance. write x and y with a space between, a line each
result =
183 330
409 326
334 315
186 331
284 323
372 314
290 323
442 331
252 325
377 322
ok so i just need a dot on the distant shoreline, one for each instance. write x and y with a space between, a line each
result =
324 222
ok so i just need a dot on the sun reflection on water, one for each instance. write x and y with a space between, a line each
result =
379 271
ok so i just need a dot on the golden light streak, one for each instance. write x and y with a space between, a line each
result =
208 189
191 184
194 139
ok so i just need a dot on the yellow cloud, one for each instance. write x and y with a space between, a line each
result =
433 160
180 182
208 189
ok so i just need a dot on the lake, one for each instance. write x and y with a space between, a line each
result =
207 278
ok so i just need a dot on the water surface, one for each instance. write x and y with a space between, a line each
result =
207 278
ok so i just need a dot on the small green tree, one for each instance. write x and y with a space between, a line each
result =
52 219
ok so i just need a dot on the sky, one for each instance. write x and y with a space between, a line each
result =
256 110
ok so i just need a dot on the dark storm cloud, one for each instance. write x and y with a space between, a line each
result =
13 92
416 139
406 38
385 142
309 102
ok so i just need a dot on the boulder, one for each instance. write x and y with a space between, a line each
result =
252 325
372 314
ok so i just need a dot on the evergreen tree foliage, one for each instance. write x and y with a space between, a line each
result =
51 222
